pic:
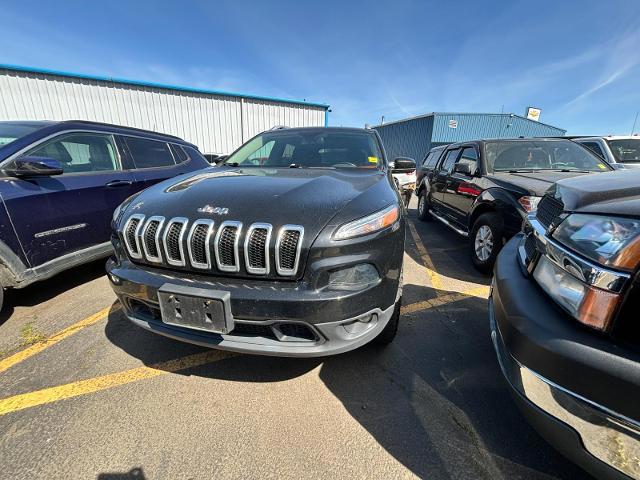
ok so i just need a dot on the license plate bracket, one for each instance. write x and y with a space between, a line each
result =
196 308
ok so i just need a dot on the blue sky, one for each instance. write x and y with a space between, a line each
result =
579 61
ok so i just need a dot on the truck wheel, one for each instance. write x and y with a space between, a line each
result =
406 197
386 336
423 206
1 297
486 240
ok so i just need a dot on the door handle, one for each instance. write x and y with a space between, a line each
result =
119 183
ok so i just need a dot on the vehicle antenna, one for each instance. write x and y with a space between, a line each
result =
634 123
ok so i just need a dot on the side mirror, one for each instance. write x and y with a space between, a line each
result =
403 165
463 168
32 166
618 166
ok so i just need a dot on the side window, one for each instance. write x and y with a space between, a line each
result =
149 153
428 159
81 152
469 156
193 153
434 158
178 153
594 147
449 160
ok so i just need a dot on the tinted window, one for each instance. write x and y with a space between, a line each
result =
625 150
309 148
80 152
193 153
469 156
178 153
10 131
594 147
149 153
434 156
532 155
449 160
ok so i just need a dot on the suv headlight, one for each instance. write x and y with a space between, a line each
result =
609 241
370 224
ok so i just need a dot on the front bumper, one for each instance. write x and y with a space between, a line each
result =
576 388
270 318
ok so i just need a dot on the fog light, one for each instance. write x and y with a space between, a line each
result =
354 278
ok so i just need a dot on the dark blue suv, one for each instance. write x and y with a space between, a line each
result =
60 183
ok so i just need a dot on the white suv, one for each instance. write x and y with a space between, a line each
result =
620 151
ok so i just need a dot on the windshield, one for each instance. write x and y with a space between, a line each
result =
625 150
10 131
534 155
309 149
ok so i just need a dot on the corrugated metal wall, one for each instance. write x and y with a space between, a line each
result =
216 123
414 137
474 126
407 139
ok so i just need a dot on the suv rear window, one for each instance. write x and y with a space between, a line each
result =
149 153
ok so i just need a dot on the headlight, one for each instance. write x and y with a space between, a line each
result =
370 224
589 305
609 241
529 203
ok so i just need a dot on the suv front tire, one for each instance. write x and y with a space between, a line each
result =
486 240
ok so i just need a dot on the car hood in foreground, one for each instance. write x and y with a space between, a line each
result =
613 193
535 183
307 197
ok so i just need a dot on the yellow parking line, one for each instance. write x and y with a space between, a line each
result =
58 337
83 387
434 277
480 292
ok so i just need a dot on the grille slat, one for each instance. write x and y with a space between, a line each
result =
150 239
549 209
199 244
256 248
131 235
226 246
173 241
288 249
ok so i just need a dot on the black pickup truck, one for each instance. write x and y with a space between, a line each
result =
483 189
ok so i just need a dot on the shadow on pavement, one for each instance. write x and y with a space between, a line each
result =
40 292
434 399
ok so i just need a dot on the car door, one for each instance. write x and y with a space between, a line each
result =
153 160
439 182
461 190
66 213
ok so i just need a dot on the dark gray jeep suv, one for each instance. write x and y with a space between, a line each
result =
293 246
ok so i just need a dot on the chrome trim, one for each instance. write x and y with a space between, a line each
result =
228 268
184 221
449 224
136 235
285 272
143 234
207 243
258 271
607 435
584 270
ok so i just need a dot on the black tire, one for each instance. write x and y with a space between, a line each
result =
487 247
406 198
1 297
386 336
423 206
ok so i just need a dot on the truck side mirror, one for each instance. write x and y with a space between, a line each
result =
403 165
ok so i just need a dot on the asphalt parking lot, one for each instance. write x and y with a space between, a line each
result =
85 394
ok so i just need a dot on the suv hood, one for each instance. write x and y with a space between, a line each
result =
307 197
613 193
535 183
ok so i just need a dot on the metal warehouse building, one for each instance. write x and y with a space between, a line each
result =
218 122
414 137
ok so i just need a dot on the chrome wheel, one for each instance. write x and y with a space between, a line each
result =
421 205
484 243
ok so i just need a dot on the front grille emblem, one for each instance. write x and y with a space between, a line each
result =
213 210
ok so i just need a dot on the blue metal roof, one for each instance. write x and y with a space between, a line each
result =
179 88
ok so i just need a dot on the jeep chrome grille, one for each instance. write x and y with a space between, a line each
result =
177 242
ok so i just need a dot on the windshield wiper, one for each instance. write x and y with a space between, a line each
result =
231 164
517 170
295 165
